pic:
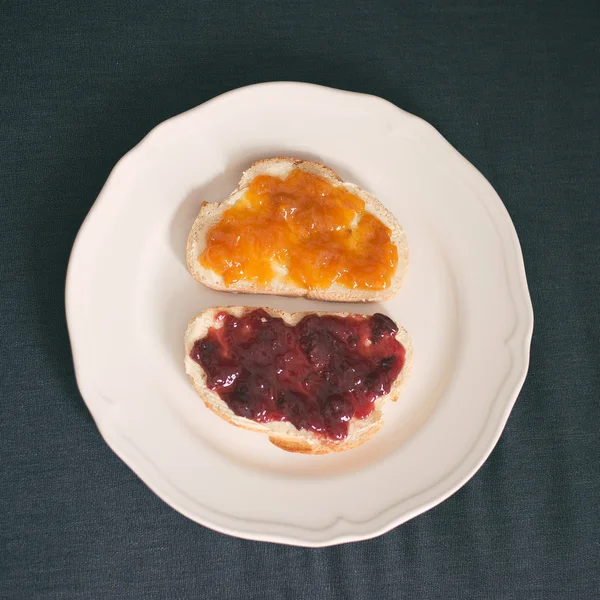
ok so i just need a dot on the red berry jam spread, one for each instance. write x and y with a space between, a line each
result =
317 375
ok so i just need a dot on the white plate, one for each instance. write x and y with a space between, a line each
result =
465 303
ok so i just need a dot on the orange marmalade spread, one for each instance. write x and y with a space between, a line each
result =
303 231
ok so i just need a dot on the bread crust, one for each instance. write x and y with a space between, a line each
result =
210 214
283 434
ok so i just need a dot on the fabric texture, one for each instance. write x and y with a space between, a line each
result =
514 85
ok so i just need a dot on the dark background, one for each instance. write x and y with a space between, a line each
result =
514 86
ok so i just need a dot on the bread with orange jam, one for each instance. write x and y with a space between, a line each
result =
207 335
294 228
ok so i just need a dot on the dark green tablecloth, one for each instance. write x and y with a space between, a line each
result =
513 85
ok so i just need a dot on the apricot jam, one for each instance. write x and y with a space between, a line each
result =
303 231
317 375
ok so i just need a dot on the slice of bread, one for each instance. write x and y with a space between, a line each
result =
211 213
281 433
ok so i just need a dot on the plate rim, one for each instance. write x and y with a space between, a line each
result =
481 447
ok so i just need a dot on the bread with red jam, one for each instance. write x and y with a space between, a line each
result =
315 383
362 249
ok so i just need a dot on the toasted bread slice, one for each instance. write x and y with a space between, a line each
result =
211 213
282 433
